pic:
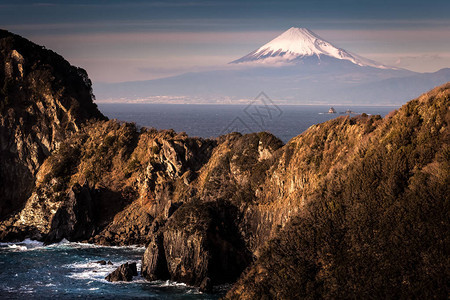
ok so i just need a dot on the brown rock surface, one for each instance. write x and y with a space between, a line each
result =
374 228
123 273
43 100
199 242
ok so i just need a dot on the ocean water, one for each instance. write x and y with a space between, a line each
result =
30 270
208 121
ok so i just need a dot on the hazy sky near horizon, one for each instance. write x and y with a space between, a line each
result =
120 40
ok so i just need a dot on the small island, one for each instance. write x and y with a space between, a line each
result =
349 112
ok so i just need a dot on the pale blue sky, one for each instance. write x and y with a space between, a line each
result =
137 40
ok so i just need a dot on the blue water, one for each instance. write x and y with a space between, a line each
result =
29 270
208 121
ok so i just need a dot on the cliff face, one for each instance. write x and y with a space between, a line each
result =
376 228
296 171
43 99
209 240
330 214
126 178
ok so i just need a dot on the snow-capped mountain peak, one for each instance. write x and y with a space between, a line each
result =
297 43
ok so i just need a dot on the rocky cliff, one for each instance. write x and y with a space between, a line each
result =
329 214
43 99
375 226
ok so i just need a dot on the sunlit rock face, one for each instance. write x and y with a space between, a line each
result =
43 99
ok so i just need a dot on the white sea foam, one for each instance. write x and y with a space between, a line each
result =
23 245
88 274
94 271
50 284
168 283
17 247
173 283
28 244
66 243
95 265
78 269
26 289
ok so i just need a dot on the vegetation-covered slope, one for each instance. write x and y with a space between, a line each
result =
375 229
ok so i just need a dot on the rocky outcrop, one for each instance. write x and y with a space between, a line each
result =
110 184
123 273
75 218
43 99
365 231
200 241
199 245
297 170
297 216
103 262
49 219
154 262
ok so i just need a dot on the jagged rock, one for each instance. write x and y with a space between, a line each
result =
123 273
43 100
173 207
206 285
74 219
154 263
101 262
199 244
121 209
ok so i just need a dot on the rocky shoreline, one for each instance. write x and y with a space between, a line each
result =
237 209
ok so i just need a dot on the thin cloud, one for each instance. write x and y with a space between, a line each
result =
410 60
162 37
388 34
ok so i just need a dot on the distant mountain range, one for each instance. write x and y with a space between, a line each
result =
297 67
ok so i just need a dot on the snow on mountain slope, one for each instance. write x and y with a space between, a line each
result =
297 43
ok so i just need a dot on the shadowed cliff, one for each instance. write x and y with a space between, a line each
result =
376 228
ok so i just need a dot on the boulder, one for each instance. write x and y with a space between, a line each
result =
123 273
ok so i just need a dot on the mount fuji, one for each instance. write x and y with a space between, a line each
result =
296 44
297 67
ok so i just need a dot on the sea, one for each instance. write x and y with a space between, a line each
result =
66 270
209 121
